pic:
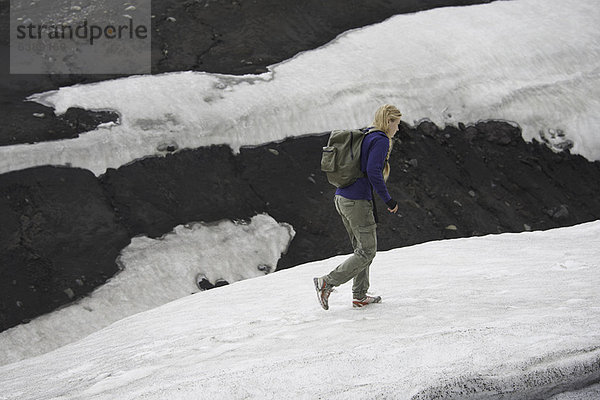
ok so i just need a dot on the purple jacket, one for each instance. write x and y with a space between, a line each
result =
374 150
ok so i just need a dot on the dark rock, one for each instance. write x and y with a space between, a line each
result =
499 132
565 145
428 129
56 225
81 120
168 147
561 212
204 284
21 123
190 185
70 293
264 268
221 282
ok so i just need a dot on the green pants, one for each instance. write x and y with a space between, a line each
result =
357 216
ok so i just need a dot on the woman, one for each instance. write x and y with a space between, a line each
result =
354 203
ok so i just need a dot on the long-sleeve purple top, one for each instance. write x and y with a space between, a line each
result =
374 150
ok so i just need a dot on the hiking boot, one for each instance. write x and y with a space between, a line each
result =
324 289
357 303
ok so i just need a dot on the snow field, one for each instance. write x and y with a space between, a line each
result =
500 316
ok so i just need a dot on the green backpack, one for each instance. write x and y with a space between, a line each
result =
341 157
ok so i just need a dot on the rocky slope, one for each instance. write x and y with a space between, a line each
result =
63 228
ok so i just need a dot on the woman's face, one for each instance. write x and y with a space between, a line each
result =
393 127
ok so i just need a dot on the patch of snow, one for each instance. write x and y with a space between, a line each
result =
155 272
532 62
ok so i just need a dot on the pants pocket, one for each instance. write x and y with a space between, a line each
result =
363 214
367 237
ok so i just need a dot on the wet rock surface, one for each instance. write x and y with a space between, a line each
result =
59 239
42 124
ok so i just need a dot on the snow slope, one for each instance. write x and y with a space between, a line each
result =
500 316
155 272
533 62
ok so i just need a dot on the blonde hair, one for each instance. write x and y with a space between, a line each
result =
383 116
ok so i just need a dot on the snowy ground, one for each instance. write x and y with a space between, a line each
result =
532 62
515 315
155 272
500 316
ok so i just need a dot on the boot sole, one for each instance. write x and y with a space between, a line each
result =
324 305
361 305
